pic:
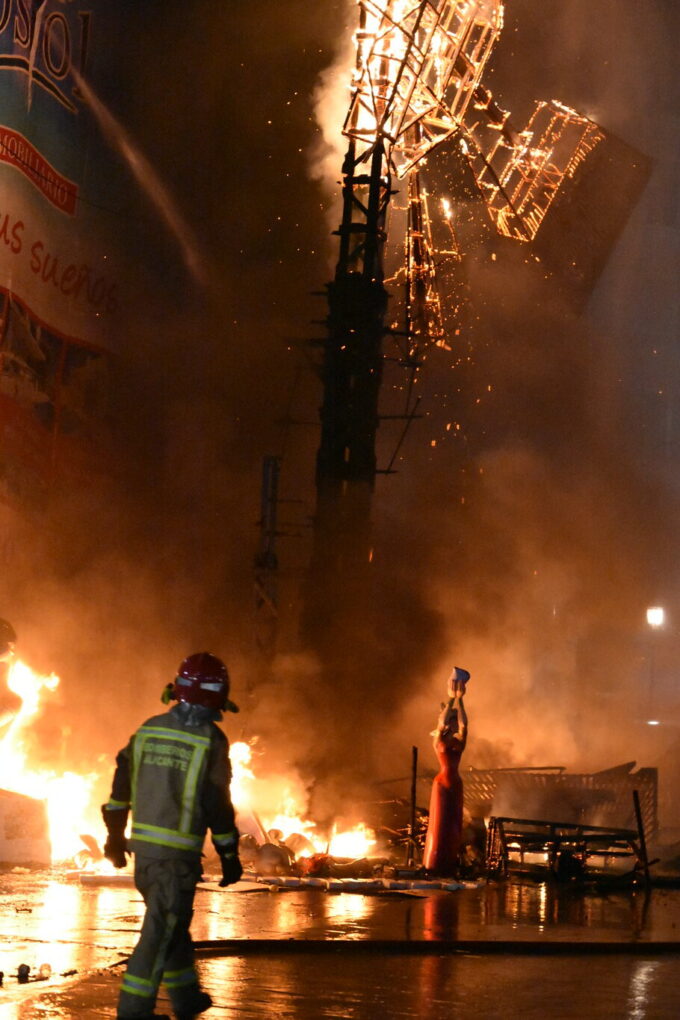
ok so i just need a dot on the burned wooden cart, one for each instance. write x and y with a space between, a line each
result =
565 850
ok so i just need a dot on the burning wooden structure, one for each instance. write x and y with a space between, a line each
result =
417 88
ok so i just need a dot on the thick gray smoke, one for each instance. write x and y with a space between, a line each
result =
153 559
523 545
567 467
534 511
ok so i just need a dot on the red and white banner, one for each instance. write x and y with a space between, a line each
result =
18 152
60 187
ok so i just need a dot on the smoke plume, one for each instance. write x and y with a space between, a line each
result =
522 545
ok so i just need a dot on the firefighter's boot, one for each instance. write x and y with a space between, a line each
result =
198 1005
148 1016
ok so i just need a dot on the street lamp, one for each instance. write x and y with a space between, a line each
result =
656 617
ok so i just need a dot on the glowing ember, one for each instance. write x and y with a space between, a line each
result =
520 174
68 796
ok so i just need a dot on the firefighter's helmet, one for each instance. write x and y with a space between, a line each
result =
203 679
8 639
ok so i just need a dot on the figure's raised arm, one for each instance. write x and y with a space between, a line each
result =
462 730
452 723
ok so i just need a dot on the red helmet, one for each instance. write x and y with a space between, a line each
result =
203 679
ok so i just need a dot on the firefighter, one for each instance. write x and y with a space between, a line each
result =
174 774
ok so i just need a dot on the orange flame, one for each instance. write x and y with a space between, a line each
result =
279 803
67 795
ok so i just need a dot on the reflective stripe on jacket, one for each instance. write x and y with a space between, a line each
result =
176 778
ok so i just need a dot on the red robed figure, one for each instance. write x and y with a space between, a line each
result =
445 826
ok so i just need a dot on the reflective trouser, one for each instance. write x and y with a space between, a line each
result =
164 951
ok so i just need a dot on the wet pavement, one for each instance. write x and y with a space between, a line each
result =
505 949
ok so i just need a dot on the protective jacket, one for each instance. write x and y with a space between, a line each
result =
175 777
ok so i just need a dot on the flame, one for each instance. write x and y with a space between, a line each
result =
417 64
68 796
357 842
279 803
240 755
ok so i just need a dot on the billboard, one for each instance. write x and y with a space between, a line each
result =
59 292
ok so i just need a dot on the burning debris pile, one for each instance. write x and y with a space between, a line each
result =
278 839
48 817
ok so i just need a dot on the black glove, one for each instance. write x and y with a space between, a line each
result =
231 869
114 851
116 843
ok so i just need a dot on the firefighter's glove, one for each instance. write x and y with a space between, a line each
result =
114 851
231 869
115 846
